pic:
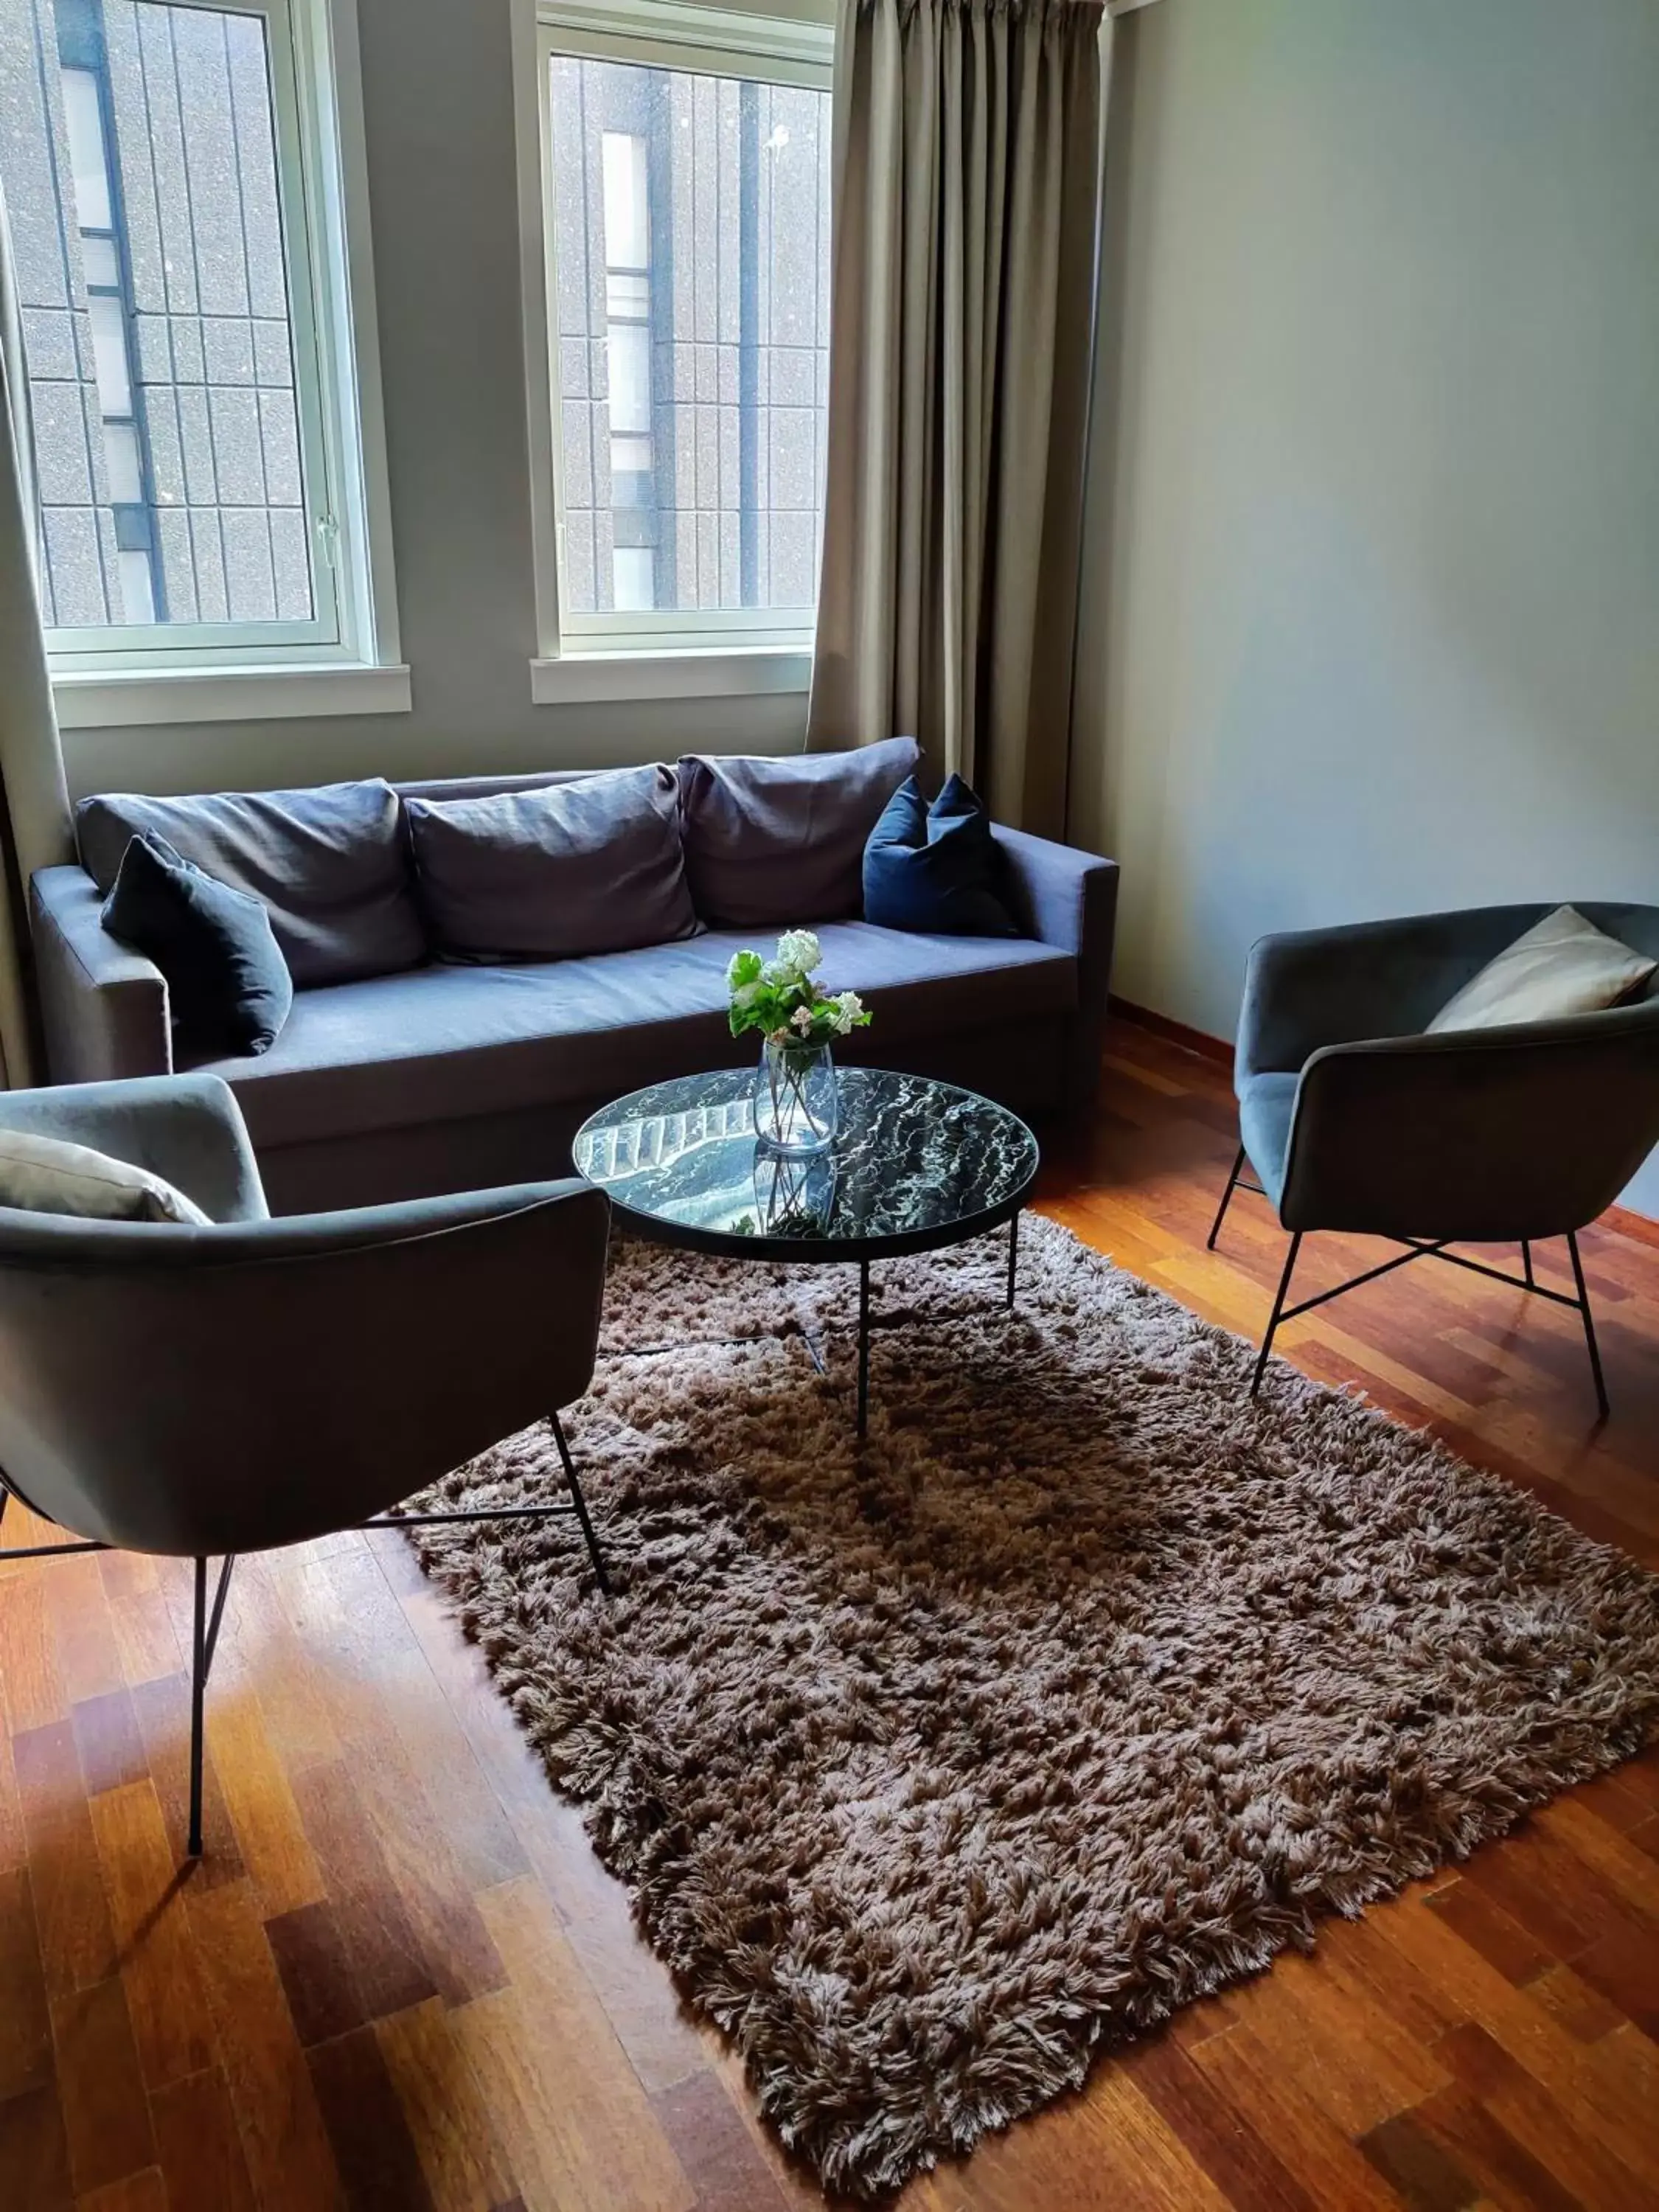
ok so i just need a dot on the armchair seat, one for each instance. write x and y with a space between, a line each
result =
1357 1117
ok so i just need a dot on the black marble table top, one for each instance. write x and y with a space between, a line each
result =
916 1164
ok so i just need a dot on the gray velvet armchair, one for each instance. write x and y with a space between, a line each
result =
1354 1119
203 1392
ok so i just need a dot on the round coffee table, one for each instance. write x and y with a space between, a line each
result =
915 1165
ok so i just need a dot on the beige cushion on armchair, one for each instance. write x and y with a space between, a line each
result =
1563 965
48 1174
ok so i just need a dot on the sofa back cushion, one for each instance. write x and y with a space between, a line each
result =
588 865
329 864
772 842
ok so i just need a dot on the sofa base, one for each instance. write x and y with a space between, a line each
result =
1024 1066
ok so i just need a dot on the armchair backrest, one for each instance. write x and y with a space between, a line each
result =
224 1389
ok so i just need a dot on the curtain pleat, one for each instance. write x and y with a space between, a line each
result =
966 185
36 829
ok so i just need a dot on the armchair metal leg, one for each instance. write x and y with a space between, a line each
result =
1589 1325
203 1643
1278 1309
1226 1201
581 1505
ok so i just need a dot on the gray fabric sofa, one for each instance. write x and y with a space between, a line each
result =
441 1078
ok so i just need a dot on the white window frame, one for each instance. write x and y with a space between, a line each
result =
347 659
690 653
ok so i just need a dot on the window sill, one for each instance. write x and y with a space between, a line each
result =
99 699
714 672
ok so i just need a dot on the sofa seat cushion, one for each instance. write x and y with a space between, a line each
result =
442 1043
1266 1106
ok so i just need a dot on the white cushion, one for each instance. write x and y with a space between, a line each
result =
1563 965
45 1175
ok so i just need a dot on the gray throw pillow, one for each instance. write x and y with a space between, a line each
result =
589 866
772 842
329 865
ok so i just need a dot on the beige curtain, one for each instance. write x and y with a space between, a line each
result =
966 187
35 812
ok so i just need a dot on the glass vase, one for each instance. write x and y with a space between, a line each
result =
796 1103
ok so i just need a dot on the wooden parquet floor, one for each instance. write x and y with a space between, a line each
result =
400 1980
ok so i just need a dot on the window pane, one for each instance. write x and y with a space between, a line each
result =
149 129
98 259
691 238
631 579
126 485
109 354
83 126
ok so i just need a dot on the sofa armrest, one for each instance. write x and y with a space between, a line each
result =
1069 899
104 1006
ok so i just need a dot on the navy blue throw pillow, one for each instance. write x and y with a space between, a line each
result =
228 982
936 869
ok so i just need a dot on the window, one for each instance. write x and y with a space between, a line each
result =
685 180
176 211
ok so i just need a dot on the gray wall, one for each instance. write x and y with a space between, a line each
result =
437 101
1373 560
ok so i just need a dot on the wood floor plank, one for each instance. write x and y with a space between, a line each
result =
140 1620
260 1799
107 1740
105 2111
139 2193
714 2150
1560 2068
76 1936
1241 2162
1550 2129
618 2153
367 2123
1509 2176
89 1659
34 2150
30 1683
159 1961
375 1931
199 2149
280 2124
464 2164
25 2017
1323 2161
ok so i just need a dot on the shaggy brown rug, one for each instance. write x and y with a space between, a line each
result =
1083 1690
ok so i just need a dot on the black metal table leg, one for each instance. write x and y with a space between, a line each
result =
1013 1256
864 1346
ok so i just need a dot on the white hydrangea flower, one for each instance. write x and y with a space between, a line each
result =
848 1006
799 949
